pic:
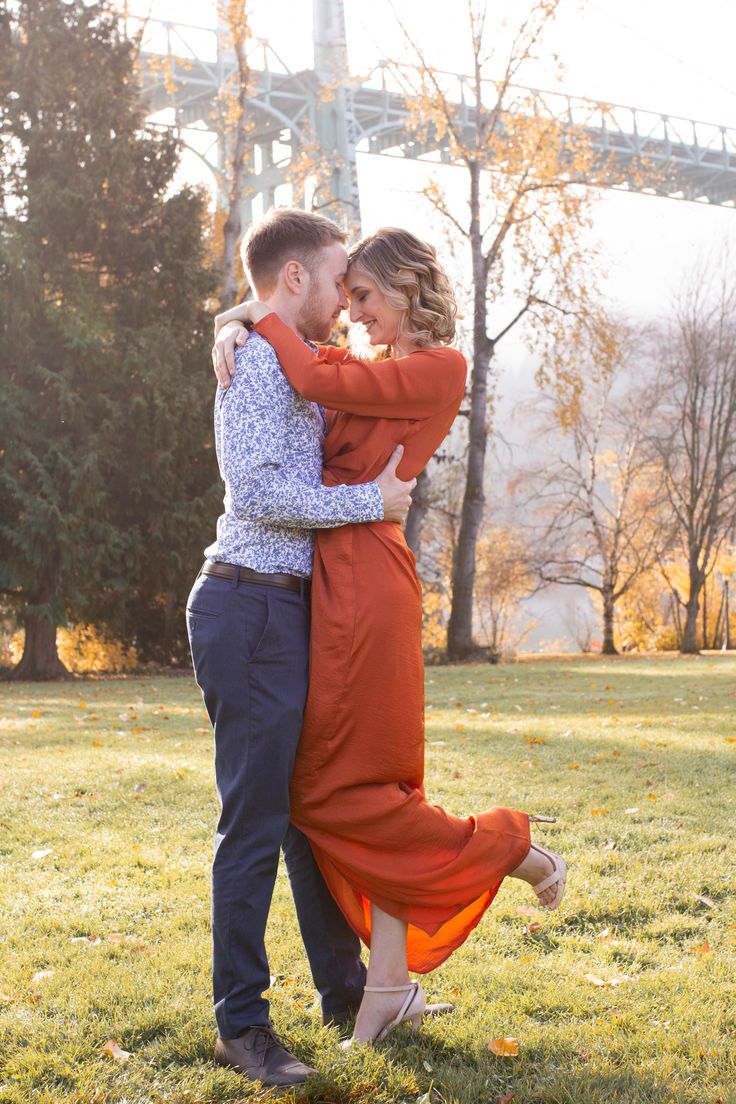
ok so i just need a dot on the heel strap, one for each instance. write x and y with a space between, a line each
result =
391 988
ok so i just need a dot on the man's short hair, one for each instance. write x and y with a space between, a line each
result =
285 234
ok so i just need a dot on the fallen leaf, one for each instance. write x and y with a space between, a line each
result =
115 937
42 975
573 766
455 991
113 1048
426 1065
532 928
430 1097
704 900
633 809
528 958
701 950
598 812
41 854
605 934
605 983
82 705
92 940
504 1048
35 714
97 743
506 1099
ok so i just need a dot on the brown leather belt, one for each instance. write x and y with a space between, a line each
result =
260 578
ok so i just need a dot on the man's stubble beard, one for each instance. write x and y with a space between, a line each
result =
312 319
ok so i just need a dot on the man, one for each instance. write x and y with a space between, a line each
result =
248 622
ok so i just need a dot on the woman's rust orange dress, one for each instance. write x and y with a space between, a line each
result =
357 789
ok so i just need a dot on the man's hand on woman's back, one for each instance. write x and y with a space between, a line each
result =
396 492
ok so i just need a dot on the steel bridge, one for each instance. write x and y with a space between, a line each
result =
326 107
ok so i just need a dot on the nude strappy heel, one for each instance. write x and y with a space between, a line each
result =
411 1011
558 876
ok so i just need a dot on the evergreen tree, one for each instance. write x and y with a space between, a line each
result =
105 406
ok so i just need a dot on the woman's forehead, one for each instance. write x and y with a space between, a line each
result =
356 278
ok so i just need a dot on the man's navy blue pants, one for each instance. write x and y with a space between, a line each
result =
250 648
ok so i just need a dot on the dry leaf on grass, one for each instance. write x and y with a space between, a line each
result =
606 983
113 1048
505 1099
532 928
704 900
701 950
42 975
598 812
504 1048
42 853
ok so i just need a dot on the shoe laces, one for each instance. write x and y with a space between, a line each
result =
266 1039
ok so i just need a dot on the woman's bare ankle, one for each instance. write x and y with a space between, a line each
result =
387 977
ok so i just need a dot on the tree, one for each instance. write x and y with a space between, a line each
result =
599 503
93 262
527 215
503 578
234 130
695 442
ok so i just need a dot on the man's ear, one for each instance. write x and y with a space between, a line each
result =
295 277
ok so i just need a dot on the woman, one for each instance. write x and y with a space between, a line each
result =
412 880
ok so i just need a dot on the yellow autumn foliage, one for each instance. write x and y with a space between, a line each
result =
84 650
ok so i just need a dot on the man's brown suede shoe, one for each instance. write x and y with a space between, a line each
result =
261 1055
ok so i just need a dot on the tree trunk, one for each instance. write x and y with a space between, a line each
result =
460 643
40 660
168 635
689 642
609 645
417 513
232 227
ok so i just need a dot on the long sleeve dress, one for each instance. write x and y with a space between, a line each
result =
357 789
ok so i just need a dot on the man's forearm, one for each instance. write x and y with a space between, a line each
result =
285 503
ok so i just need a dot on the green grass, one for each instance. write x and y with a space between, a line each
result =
115 777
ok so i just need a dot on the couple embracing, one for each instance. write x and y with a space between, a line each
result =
305 630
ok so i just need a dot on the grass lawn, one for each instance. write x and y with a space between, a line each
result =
107 809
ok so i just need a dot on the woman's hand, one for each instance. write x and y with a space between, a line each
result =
230 333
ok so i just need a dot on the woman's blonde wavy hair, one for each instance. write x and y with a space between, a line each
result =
414 282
